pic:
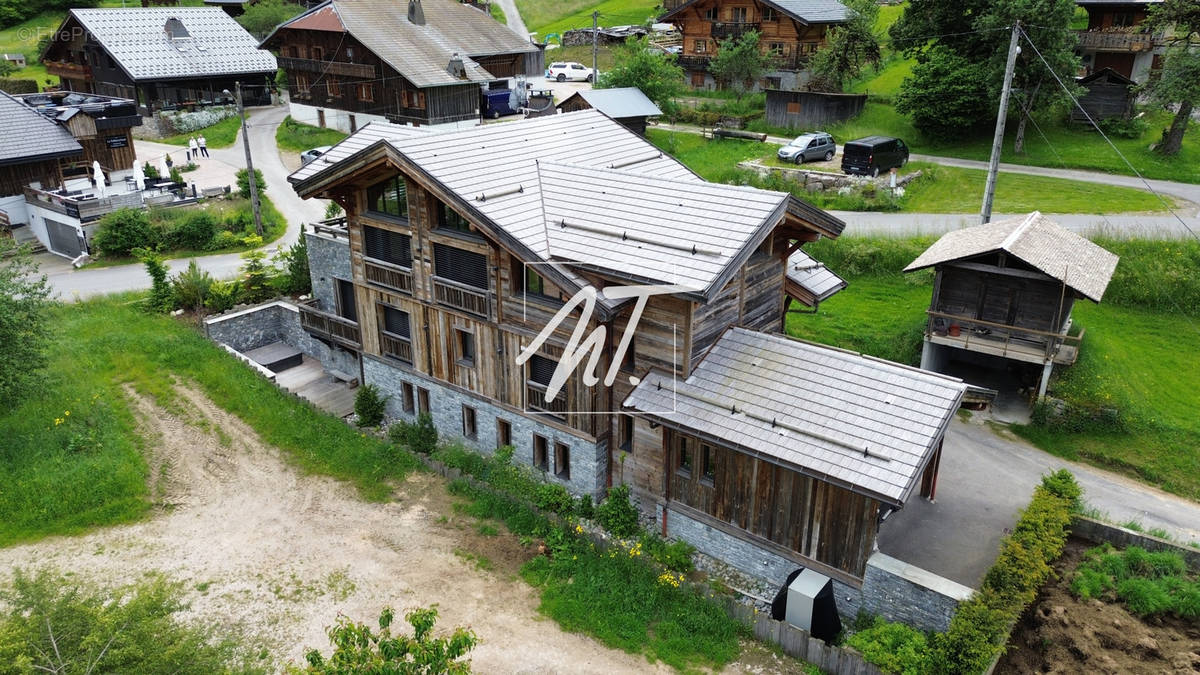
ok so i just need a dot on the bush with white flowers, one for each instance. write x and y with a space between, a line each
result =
187 122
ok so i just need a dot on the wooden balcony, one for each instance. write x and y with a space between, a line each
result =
359 70
722 30
460 296
792 62
83 208
388 275
329 326
997 339
1117 41
694 62
535 399
333 228
396 346
671 5
68 70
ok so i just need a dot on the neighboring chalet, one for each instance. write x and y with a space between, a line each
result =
161 57
350 62
1107 94
459 247
791 31
48 144
626 105
1004 292
1116 38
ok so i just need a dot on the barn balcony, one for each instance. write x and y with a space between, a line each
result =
329 326
790 62
359 70
1118 41
535 399
722 30
997 339
395 346
68 70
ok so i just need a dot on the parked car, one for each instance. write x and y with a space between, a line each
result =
569 70
868 156
810 146
309 155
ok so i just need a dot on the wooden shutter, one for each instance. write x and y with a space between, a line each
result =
396 322
465 267
541 369
388 246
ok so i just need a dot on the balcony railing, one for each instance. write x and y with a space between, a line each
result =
360 70
790 62
1118 41
83 209
693 62
67 69
330 326
396 346
334 228
388 275
535 399
460 296
1003 339
731 29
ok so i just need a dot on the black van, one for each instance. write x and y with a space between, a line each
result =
873 154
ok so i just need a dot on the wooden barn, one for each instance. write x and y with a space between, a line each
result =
811 109
626 105
1108 94
1006 289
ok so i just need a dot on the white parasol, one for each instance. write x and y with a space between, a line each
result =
164 171
98 176
139 176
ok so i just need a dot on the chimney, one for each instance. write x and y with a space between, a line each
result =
456 67
416 15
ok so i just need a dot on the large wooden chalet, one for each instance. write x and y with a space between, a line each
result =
159 56
1117 38
791 31
420 62
461 246
1004 291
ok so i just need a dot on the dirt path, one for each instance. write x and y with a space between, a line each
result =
275 555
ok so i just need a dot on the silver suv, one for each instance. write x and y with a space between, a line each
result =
807 147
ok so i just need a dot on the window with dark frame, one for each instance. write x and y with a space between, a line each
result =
465 267
332 86
710 14
683 456
389 197
700 46
708 470
541 452
406 395
366 92
541 369
625 433
528 282
422 400
347 304
562 461
466 346
769 15
503 433
396 322
468 421
738 14
449 219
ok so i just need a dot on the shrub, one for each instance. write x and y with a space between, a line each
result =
332 210
243 183
176 175
192 287
162 296
894 647
552 497
1062 484
183 122
584 507
369 406
421 437
1120 127
359 649
223 296
616 514
256 277
673 555
223 240
18 86
124 230
293 261
194 231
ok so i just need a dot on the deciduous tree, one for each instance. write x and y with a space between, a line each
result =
849 48
24 303
652 70
739 62
262 17
1179 82
359 649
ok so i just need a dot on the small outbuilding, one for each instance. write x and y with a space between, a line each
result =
1108 94
17 60
809 281
628 106
1006 289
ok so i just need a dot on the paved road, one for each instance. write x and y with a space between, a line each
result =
72 284
985 479
513 18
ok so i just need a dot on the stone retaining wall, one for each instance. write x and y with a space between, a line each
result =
818 181
277 321
1099 532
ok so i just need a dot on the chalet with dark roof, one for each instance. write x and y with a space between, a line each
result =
160 57
420 62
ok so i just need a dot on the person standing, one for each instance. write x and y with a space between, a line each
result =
203 145
193 149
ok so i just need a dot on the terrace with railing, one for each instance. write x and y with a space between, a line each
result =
535 399
82 205
1118 40
394 277
396 346
722 30
329 326
360 70
998 339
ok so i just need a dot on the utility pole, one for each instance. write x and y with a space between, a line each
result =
595 34
989 191
254 205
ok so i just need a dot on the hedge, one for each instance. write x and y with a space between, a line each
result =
981 625
14 85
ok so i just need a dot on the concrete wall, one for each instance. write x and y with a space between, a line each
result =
1098 532
277 321
891 588
588 458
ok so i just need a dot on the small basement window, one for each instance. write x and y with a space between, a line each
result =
468 421
562 461
503 433
541 447
422 400
406 391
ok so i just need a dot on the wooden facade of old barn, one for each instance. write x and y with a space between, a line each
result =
810 109
1108 94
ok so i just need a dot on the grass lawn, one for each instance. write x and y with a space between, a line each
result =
220 135
88 469
580 54
945 190
556 16
1138 355
298 136
497 13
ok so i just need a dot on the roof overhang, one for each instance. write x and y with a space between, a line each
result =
687 5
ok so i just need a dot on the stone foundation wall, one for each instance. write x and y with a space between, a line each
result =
588 458
277 321
819 181
891 588
328 259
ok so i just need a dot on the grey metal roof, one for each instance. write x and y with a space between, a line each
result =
813 276
421 53
137 41
365 137
27 136
619 102
863 423
1037 241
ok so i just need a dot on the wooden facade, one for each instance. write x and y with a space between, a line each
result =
703 25
15 177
